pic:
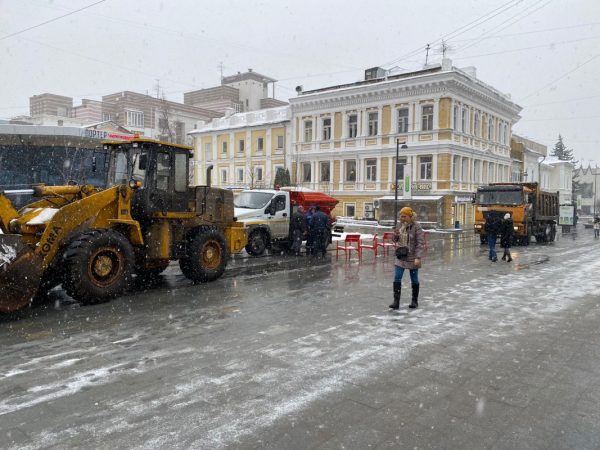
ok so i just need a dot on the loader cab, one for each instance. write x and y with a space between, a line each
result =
158 172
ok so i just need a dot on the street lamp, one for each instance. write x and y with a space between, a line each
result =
404 146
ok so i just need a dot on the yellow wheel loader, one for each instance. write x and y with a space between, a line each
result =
92 240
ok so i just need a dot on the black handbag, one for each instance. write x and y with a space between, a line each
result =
401 252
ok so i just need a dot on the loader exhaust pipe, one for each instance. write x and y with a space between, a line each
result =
208 175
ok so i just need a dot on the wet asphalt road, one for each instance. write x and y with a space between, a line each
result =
286 352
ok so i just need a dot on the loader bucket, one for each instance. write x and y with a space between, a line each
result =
20 273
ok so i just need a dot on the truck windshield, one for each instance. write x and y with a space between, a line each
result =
500 197
124 164
252 200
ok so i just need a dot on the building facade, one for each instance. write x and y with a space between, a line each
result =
456 129
245 149
587 196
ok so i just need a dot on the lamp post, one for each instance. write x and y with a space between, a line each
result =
404 146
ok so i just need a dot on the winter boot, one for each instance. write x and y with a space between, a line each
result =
415 296
397 291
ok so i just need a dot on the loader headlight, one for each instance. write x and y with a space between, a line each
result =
15 226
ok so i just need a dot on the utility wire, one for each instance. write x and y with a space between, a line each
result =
51 20
461 30
523 14
499 36
561 77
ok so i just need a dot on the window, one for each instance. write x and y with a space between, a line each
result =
280 142
490 129
163 171
463 120
308 131
306 172
207 152
373 123
223 175
135 119
403 120
106 116
352 125
279 203
349 209
476 124
456 168
476 172
224 147
427 118
455 118
240 175
400 167
181 176
425 167
259 144
371 169
258 173
500 134
350 170
241 143
327 129
464 172
324 170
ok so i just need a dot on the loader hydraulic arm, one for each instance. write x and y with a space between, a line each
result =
7 213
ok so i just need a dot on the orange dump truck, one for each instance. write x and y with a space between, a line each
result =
534 212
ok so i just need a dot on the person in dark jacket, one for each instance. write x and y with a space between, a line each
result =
297 229
493 227
318 229
309 235
410 235
506 237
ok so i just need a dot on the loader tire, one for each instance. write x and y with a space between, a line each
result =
99 265
207 256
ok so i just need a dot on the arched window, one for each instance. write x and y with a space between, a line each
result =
500 134
476 124
463 126
490 129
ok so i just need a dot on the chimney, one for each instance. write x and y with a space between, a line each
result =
249 70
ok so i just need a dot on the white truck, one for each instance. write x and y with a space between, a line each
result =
266 213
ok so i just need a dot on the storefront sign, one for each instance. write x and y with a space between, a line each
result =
421 186
102 134
463 199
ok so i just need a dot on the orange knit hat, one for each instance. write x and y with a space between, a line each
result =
407 211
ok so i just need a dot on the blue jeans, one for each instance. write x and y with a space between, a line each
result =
399 272
492 245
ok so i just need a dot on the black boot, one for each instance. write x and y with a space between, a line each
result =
397 291
415 296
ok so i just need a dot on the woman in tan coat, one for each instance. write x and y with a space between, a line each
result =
411 237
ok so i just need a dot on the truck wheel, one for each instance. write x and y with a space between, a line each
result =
207 256
257 243
98 265
552 235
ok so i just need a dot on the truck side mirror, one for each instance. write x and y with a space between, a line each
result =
94 164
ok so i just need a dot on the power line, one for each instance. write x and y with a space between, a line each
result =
562 101
527 48
51 20
561 77
521 13
498 36
464 28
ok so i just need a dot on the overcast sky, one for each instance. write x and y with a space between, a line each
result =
544 53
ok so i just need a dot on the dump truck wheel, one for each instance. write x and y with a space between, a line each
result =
257 243
99 265
207 256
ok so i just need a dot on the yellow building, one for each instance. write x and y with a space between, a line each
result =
245 149
456 130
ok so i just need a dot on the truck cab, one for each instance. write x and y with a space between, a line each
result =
266 213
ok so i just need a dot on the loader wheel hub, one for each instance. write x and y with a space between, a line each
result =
211 254
105 266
